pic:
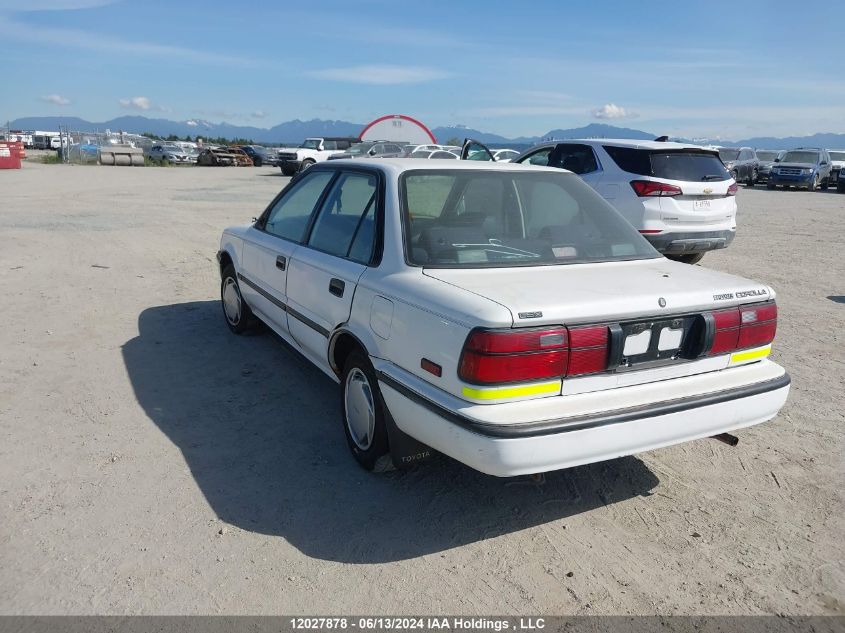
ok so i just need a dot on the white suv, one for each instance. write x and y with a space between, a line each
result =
680 197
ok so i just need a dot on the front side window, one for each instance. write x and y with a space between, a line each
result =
345 226
474 218
311 143
289 216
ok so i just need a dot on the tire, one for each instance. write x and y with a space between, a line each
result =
305 164
365 429
840 186
287 171
236 312
825 184
770 186
692 258
752 178
814 184
256 162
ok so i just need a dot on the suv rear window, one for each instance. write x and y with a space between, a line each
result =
479 218
683 165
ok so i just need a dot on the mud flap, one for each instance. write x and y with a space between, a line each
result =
405 451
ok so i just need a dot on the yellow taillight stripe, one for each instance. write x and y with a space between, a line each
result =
512 392
753 354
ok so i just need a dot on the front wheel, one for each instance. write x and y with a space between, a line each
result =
825 184
235 310
770 186
692 258
305 164
362 409
814 183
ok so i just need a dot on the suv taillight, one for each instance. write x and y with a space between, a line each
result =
747 326
495 357
732 189
648 188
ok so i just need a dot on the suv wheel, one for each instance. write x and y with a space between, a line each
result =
814 184
752 178
825 184
305 164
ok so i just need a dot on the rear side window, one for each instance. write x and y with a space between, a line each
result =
327 145
345 226
683 165
579 159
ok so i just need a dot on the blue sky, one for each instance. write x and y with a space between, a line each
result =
513 68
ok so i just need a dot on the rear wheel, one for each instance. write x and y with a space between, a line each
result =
235 310
362 409
691 258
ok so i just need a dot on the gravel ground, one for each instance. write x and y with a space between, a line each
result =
152 463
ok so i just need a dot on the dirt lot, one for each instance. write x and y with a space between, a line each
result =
153 463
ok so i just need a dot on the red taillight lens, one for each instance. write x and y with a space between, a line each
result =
588 350
644 188
738 328
517 356
759 325
499 357
732 189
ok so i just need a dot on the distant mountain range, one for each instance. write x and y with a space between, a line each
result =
295 131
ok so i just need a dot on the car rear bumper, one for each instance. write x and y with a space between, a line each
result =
751 395
690 241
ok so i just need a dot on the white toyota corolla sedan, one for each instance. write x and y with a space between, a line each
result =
505 315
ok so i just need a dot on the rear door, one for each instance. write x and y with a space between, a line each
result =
271 242
324 272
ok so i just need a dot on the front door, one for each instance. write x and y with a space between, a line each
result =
473 150
324 272
271 243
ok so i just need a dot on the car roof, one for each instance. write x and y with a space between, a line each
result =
625 142
397 166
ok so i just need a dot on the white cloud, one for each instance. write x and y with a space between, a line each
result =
58 100
138 103
612 111
382 75
259 114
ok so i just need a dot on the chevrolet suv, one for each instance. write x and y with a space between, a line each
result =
679 197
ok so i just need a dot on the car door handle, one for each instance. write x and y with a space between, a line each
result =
336 287
281 262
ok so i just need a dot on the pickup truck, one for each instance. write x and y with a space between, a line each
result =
310 152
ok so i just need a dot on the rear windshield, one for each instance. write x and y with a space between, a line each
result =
683 165
800 157
472 218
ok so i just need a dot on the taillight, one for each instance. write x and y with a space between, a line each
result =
644 188
748 326
499 357
522 355
587 350
732 189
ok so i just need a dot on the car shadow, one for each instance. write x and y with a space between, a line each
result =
837 298
259 427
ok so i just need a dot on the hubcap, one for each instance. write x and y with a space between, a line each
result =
231 301
360 409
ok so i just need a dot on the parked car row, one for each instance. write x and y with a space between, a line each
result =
808 168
